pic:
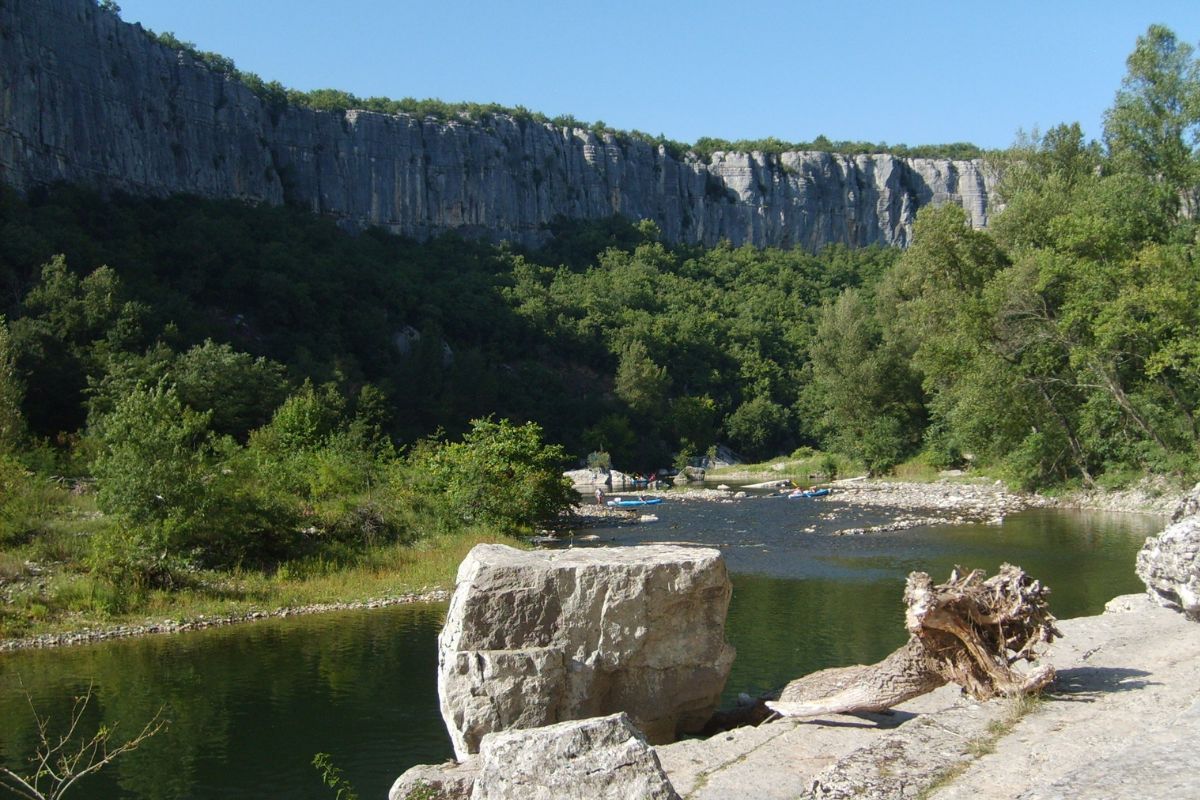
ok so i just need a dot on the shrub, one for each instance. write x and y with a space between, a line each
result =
599 460
758 427
26 500
179 495
499 474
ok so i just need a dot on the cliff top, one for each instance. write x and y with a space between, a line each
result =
338 101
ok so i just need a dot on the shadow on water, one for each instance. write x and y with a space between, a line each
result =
250 705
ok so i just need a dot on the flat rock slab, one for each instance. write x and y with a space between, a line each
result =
1122 724
788 759
1119 723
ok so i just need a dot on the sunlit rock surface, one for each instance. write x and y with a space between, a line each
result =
534 638
1169 564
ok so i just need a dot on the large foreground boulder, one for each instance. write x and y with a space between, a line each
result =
1169 564
536 638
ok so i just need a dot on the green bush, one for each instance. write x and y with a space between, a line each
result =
26 501
599 460
758 427
500 474
179 495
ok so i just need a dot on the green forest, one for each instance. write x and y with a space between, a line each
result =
189 385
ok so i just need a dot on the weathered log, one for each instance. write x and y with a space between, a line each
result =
969 631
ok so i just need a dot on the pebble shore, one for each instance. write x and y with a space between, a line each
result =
89 635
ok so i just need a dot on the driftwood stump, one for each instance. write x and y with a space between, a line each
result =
968 631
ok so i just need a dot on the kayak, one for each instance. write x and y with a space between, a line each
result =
808 493
649 501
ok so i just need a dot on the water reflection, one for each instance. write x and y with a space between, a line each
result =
250 705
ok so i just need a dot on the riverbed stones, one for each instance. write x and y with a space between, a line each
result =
1169 564
603 758
537 638
586 478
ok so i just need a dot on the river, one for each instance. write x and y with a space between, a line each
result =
250 705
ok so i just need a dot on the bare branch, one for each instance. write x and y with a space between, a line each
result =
62 763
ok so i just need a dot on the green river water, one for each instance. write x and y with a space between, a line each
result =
250 705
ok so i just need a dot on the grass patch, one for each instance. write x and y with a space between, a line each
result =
803 466
1017 708
65 598
916 470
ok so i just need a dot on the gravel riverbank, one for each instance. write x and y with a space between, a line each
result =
89 635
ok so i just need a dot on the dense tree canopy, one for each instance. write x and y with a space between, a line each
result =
248 383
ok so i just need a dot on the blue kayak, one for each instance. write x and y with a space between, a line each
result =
649 501
808 493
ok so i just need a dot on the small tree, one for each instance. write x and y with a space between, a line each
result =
178 493
758 426
639 381
599 460
62 760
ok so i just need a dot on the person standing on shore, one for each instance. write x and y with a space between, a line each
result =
599 495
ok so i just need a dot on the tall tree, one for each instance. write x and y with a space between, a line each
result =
865 398
639 381
1153 127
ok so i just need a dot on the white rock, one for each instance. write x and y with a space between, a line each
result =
592 759
538 637
588 477
1167 564
436 782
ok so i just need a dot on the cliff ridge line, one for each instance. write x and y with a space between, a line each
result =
89 99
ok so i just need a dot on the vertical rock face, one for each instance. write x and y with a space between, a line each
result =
1169 564
537 638
86 98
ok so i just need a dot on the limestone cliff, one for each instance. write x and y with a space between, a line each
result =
87 98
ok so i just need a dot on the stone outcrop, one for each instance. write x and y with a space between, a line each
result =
602 758
86 98
537 638
449 781
1169 564
594 759
1189 506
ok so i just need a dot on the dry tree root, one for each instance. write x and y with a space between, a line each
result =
968 631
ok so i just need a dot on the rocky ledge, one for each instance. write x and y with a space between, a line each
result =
1128 686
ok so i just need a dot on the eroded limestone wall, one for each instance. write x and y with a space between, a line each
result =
87 98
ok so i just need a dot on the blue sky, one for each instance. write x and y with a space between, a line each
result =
900 72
